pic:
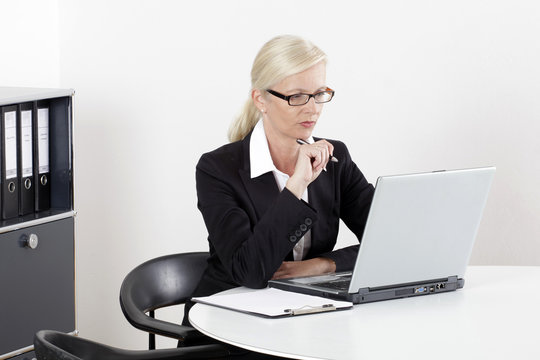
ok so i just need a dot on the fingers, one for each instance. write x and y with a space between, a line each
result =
315 266
281 271
289 269
318 161
311 161
320 152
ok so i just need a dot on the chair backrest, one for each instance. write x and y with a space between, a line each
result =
54 345
163 281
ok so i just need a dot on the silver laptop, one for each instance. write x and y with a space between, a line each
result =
418 238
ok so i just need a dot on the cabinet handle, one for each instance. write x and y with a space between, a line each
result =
32 241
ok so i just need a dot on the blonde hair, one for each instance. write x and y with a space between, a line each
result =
279 58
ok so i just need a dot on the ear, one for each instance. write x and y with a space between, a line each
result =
258 99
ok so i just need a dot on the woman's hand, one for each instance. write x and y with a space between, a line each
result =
316 266
311 161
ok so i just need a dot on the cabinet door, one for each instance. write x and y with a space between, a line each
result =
37 286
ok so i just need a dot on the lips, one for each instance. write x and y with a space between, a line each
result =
307 124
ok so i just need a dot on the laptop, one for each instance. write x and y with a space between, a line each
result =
417 241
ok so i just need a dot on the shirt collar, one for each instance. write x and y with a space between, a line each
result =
259 152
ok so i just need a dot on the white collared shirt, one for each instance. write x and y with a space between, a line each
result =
261 163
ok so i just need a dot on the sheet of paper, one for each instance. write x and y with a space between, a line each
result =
271 302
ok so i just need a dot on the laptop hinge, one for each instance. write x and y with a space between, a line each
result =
363 291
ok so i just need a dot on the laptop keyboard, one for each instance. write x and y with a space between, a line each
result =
341 284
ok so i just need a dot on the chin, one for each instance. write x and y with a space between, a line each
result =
304 135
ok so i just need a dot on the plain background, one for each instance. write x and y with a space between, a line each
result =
420 85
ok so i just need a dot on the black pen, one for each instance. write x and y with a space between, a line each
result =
303 142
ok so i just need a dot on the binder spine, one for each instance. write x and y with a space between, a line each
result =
26 157
10 194
41 157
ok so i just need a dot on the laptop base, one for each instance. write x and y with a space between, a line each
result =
367 295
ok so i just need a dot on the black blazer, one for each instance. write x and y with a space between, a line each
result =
252 227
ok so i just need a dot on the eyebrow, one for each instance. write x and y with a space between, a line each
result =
304 91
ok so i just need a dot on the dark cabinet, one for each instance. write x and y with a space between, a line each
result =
26 356
37 258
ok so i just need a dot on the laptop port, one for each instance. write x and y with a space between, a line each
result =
440 286
420 290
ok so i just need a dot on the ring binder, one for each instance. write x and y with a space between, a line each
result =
26 158
41 156
10 175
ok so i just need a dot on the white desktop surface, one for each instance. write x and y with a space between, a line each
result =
495 316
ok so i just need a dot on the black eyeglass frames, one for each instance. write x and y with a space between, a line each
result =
302 99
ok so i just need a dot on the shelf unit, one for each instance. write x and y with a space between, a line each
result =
37 251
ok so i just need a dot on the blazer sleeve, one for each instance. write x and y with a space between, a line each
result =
355 196
250 249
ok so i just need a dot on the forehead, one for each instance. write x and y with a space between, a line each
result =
310 80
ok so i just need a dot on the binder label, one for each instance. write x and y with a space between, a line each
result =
43 140
26 146
10 143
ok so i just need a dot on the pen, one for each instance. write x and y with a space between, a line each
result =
303 142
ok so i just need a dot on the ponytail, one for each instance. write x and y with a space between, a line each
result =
245 122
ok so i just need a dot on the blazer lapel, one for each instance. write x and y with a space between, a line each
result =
263 189
321 198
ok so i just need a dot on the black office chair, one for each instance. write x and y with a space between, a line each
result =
54 345
163 281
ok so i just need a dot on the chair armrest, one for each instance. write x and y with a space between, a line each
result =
164 328
212 351
160 327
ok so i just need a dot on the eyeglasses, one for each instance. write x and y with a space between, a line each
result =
302 99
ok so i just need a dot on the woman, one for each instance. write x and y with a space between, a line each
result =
271 205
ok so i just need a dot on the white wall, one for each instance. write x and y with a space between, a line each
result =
420 85
29 38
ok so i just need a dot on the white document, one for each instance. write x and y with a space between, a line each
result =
271 302
43 140
26 143
10 143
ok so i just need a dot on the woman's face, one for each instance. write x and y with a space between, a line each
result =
294 122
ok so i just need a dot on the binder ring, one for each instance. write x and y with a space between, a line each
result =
11 187
27 184
43 180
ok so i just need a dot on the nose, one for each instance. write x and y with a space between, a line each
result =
312 105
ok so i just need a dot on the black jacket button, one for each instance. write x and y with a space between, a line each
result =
298 233
308 221
292 238
303 227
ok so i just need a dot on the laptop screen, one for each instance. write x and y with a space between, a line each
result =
421 227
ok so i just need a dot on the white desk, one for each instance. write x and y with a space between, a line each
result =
495 316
